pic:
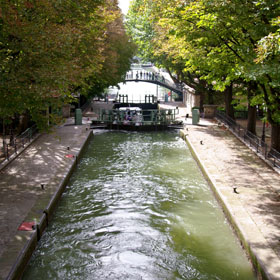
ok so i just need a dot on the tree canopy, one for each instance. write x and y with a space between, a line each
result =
50 49
215 46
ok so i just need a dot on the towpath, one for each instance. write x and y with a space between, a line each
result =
248 189
28 184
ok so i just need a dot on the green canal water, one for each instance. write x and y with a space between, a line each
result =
138 207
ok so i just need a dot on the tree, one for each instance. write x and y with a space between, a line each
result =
49 48
117 53
216 41
268 55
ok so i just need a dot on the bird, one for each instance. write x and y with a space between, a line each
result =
201 142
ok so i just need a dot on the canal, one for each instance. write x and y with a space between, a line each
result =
138 207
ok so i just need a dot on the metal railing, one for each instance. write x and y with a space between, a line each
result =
143 117
18 142
251 139
153 77
124 98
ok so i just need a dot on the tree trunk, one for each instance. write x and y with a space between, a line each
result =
275 137
252 119
228 102
23 123
252 110
275 127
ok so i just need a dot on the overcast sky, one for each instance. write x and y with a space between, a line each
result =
124 4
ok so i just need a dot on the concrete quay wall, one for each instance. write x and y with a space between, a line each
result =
238 191
26 253
47 166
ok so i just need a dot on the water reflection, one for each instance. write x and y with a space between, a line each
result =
138 208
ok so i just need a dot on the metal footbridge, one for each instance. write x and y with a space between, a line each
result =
150 77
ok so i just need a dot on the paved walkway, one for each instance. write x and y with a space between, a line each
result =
22 198
255 206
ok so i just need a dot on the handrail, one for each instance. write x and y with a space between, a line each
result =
253 140
153 78
18 142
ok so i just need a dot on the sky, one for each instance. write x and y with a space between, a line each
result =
124 4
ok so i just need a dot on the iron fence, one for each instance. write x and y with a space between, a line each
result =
251 139
18 142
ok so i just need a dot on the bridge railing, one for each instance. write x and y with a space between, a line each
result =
150 76
251 139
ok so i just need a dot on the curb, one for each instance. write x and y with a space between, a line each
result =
260 268
26 253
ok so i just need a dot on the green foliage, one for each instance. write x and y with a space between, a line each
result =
215 45
49 48
222 42
139 23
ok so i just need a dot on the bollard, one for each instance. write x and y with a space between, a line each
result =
235 190
47 216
